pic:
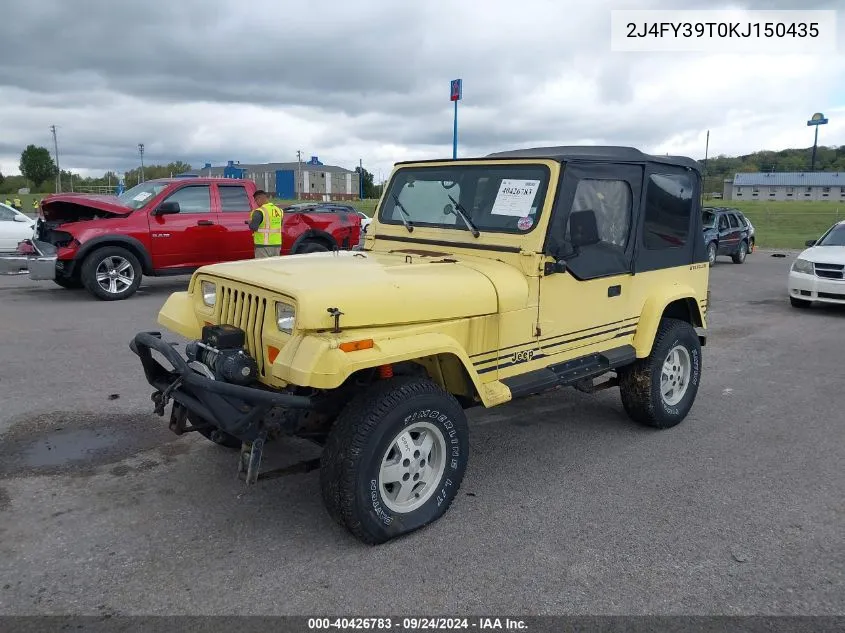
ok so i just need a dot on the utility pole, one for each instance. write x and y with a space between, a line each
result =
141 151
299 175
58 169
361 179
706 152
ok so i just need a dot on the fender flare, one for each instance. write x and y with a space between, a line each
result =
315 359
652 312
313 234
117 240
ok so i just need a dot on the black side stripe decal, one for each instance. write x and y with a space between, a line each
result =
550 338
541 354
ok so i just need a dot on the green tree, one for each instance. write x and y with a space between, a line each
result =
2 178
37 165
369 186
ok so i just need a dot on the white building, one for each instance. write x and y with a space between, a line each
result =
818 185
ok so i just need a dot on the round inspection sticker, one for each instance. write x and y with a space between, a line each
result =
525 223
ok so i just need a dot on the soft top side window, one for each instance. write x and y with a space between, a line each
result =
611 202
668 211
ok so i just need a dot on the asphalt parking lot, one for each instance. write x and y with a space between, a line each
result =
567 507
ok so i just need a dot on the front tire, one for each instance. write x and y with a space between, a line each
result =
395 459
741 253
711 253
659 390
111 273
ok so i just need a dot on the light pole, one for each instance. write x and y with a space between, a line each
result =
58 169
360 179
141 151
299 183
816 120
456 90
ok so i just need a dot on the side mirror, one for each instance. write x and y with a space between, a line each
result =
166 208
21 218
809 243
448 209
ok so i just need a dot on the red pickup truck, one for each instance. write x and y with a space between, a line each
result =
170 226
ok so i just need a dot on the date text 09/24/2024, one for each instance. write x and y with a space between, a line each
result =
723 29
416 624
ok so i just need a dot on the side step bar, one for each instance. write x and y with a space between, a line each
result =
571 372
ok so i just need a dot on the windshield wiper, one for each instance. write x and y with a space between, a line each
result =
462 212
408 225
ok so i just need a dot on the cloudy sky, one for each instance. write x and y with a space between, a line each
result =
257 80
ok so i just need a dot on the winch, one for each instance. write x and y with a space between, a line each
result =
222 351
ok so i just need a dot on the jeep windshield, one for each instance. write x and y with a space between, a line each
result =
139 195
495 198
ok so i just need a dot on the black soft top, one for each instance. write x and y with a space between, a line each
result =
600 153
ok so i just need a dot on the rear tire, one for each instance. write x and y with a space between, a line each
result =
800 303
659 390
395 459
111 273
741 253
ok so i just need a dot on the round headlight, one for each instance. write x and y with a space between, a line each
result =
209 293
284 317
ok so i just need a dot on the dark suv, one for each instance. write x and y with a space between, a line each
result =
727 232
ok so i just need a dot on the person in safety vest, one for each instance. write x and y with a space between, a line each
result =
17 204
8 202
35 203
265 222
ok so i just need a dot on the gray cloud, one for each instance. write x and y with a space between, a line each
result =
202 80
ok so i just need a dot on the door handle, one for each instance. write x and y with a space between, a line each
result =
614 291
205 223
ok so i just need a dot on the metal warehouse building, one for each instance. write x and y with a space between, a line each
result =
826 185
311 180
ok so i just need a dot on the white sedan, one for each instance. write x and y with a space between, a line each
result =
14 227
818 273
365 221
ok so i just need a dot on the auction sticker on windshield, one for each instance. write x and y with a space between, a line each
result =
142 196
515 197
525 223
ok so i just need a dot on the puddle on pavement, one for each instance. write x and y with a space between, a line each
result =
77 443
66 446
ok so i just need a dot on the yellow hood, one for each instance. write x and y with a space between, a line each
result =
376 289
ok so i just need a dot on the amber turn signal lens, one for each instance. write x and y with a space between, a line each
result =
354 346
272 352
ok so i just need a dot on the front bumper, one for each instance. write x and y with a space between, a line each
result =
235 409
812 288
39 268
40 265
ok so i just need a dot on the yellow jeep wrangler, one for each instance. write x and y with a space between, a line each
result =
480 281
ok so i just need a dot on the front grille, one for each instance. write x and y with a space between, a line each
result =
247 312
830 271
